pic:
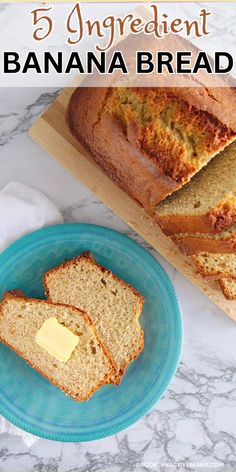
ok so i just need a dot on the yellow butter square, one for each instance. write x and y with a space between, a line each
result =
56 339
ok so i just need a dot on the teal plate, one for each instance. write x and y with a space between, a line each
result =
31 402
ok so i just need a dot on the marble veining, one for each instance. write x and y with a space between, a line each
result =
16 123
195 421
193 424
193 427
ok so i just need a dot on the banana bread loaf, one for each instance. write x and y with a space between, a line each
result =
151 141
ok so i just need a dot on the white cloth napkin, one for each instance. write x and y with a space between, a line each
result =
23 210
9 428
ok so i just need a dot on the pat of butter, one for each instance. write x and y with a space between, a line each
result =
56 339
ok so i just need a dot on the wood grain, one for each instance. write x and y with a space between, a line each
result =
51 133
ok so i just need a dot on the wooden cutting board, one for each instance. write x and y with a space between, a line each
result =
51 133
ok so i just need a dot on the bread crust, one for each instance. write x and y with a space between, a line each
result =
227 293
149 186
118 374
117 377
18 296
214 221
192 245
217 101
88 255
119 155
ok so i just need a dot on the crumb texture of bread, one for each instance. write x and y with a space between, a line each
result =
88 367
215 266
150 141
194 243
228 288
113 305
207 204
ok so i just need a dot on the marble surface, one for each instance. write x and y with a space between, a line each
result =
194 426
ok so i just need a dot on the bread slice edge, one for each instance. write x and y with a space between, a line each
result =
18 295
225 289
117 376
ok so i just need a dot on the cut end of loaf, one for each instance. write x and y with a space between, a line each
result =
207 204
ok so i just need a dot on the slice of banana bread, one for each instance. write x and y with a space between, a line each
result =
113 305
193 243
207 204
88 367
216 266
151 141
228 288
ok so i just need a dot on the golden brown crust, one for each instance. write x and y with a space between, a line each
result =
222 216
217 101
215 96
80 107
214 221
158 167
191 245
227 293
117 376
173 224
14 294
149 186
88 255
78 398
178 133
